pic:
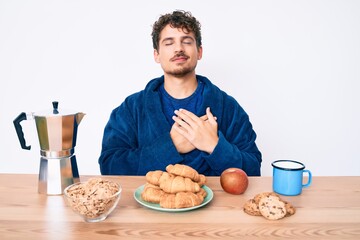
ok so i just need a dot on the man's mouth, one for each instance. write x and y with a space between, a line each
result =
179 57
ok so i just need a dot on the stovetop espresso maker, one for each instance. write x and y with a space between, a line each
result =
57 132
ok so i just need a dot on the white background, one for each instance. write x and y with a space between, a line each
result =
293 65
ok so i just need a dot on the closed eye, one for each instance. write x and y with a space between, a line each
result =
168 41
188 40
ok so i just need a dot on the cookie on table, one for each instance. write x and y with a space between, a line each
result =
259 196
290 209
272 208
251 208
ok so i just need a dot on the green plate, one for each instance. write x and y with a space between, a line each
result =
155 206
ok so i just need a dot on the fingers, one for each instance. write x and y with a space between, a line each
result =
201 132
182 122
204 117
210 116
188 116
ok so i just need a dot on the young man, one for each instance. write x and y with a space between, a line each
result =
179 117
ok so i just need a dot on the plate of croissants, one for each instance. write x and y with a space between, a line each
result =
179 188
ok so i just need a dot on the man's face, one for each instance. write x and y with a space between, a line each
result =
178 53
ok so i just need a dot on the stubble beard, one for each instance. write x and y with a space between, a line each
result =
181 71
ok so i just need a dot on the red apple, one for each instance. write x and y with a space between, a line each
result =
234 180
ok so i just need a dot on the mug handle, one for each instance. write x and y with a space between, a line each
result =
309 179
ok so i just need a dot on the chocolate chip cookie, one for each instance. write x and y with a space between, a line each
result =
272 208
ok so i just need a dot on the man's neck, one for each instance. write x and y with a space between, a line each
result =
180 87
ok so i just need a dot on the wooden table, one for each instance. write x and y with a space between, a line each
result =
328 209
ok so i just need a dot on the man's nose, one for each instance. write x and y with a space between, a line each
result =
179 47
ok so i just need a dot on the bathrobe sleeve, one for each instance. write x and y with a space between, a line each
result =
132 146
236 146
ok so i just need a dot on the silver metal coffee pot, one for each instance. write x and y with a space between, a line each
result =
57 132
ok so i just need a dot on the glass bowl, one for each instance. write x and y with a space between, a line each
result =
93 200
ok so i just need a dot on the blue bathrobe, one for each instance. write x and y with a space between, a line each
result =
137 136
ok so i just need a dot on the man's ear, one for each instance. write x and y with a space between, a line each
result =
200 52
156 56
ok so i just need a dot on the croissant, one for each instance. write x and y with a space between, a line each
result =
152 193
181 200
202 180
174 184
184 171
165 177
153 177
202 193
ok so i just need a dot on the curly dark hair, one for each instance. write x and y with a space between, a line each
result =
176 19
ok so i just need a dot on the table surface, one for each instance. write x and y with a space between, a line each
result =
328 209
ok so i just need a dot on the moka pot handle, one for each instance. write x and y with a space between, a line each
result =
19 130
